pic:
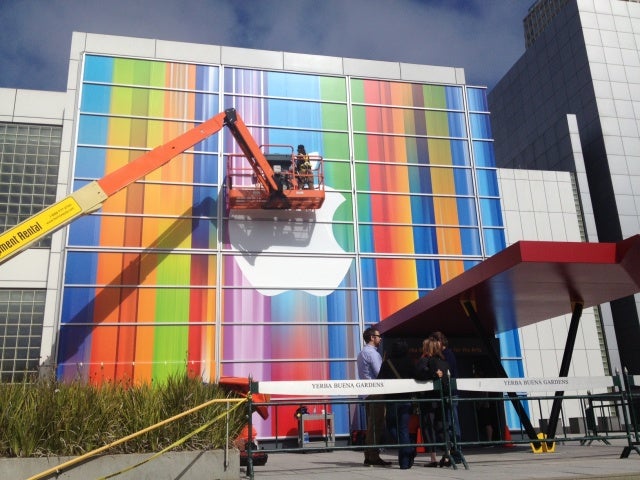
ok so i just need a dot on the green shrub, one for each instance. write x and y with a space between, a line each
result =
67 419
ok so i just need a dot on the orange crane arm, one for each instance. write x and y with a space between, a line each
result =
91 197
251 151
147 163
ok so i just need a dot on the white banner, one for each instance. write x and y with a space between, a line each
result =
557 384
348 388
343 388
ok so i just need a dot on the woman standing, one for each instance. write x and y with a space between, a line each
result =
432 366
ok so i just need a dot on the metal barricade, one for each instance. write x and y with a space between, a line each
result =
324 398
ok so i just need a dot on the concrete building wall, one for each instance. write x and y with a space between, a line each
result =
543 205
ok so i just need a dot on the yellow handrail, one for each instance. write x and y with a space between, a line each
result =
58 469
178 442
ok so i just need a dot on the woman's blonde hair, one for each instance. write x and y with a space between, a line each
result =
431 348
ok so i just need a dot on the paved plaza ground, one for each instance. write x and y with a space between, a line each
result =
569 461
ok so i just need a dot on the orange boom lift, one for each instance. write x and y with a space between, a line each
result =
267 191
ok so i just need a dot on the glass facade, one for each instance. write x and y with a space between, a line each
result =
29 158
165 279
21 319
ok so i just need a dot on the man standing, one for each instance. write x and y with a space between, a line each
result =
369 362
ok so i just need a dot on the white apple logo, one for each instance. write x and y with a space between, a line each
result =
283 232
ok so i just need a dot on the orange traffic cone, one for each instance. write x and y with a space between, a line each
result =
507 437
419 439
414 428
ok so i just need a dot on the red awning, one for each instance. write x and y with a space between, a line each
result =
528 282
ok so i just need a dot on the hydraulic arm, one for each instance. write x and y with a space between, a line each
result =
91 197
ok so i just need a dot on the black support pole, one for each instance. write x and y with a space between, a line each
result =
564 368
493 355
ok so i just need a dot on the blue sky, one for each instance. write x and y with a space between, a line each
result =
484 37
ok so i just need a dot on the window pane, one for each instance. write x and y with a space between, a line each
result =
477 98
491 212
480 125
494 240
487 183
484 154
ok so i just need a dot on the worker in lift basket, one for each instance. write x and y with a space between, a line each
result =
303 167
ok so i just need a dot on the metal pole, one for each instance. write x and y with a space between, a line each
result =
226 446
564 367
249 444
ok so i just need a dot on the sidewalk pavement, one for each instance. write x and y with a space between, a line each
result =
569 461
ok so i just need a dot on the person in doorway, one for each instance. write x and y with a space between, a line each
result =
369 362
399 365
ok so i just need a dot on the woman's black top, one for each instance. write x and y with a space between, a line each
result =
427 368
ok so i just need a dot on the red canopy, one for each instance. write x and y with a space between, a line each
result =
528 282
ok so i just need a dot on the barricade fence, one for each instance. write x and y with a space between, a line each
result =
591 409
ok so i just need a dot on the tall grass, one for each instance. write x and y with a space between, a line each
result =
55 418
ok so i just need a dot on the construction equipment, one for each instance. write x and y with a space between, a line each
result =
268 190
274 180
241 386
